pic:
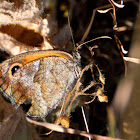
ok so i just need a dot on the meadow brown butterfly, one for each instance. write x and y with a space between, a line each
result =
42 78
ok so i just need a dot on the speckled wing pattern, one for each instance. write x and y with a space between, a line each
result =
45 81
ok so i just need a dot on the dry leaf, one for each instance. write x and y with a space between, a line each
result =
13 124
22 28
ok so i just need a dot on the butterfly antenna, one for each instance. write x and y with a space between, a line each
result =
75 53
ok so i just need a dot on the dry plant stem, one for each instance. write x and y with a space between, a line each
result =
68 98
91 69
47 133
109 5
89 86
84 94
61 129
104 11
79 47
81 94
121 46
101 78
130 59
91 21
114 13
93 97
77 86
74 89
90 100
118 42
77 93
91 51
63 106
82 108
89 26
87 94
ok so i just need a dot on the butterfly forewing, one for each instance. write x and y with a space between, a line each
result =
46 81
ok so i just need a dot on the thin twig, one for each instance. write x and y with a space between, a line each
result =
59 128
82 108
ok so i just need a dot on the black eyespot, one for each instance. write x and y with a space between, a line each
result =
14 69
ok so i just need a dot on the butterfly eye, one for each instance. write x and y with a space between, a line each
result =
14 69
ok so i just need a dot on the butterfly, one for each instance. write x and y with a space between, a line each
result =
42 79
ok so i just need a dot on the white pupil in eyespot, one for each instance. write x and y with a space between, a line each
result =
14 69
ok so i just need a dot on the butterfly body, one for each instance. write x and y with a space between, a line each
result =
43 77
